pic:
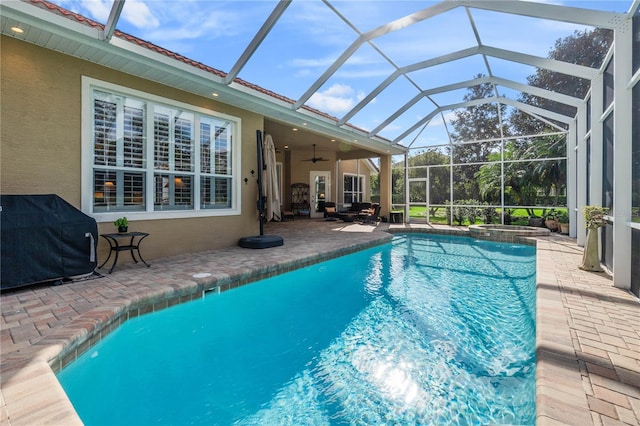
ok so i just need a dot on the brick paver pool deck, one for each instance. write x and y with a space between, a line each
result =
588 332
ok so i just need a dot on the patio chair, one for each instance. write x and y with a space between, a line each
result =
287 214
370 215
330 211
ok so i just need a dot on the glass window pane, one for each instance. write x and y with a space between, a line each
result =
133 191
173 192
104 132
205 147
222 188
104 191
348 183
161 133
118 191
183 142
222 151
119 144
133 137
215 192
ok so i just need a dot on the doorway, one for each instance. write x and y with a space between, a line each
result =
320 186
419 197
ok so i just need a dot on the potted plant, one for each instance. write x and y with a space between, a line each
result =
550 220
594 217
122 224
563 222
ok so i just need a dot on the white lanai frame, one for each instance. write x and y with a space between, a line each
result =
620 23
537 10
552 12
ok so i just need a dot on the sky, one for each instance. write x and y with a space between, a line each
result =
310 36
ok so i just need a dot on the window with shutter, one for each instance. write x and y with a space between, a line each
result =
190 152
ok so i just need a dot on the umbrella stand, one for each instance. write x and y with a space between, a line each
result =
261 241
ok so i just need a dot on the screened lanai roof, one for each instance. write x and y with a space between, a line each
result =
381 75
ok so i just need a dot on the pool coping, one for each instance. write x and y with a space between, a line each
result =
560 397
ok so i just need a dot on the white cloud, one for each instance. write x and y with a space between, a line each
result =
337 99
135 12
98 10
199 22
437 121
138 14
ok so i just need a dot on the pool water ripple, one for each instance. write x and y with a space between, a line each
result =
424 330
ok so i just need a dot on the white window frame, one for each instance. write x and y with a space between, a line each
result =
359 189
87 168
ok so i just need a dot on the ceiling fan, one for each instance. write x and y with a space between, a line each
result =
314 158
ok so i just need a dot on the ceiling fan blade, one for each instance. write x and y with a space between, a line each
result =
315 159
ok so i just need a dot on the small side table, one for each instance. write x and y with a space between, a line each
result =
396 217
133 244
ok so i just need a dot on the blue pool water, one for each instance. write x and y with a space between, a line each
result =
424 330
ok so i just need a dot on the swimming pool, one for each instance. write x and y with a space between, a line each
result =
427 329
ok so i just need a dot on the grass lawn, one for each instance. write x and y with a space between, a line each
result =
519 216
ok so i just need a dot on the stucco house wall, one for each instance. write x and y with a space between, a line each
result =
40 145
350 167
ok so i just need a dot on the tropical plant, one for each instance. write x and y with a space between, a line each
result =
594 216
470 211
457 213
489 214
121 222
470 125
563 217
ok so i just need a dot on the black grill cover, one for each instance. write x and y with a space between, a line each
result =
44 238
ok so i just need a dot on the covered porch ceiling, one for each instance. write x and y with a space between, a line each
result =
402 71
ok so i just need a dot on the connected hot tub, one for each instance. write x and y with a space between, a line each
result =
506 233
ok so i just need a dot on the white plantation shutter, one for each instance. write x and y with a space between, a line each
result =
104 131
215 168
150 156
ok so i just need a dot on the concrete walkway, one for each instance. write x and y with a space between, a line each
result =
588 332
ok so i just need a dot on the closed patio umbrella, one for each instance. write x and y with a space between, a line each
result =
261 241
270 180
